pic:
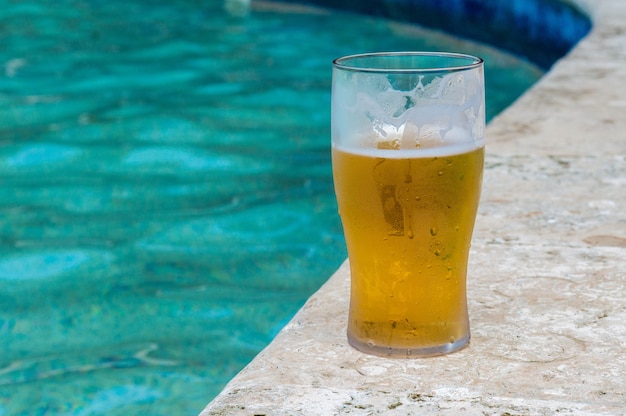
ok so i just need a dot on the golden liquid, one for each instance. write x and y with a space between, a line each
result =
408 223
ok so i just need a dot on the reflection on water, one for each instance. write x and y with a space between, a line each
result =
166 196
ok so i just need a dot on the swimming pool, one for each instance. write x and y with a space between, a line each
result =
165 190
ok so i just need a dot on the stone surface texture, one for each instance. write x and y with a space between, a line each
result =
547 278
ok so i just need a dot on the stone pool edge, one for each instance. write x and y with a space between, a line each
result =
546 273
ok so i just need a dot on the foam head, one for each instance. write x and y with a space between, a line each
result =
408 101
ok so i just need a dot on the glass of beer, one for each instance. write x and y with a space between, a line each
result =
407 152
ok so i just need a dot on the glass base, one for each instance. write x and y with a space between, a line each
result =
405 352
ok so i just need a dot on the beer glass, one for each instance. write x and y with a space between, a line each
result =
407 154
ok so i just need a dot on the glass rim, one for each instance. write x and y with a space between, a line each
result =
464 62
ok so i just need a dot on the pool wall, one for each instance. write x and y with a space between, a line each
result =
547 273
540 30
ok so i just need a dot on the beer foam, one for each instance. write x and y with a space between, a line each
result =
399 116
409 141
409 154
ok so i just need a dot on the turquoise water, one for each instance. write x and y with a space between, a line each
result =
166 199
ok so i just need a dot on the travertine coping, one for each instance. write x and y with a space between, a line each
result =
547 280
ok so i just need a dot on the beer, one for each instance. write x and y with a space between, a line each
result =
408 132
408 217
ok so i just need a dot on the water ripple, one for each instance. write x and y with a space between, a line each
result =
41 265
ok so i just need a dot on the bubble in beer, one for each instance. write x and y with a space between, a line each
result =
449 274
433 231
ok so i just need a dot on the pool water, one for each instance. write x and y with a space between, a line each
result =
166 199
